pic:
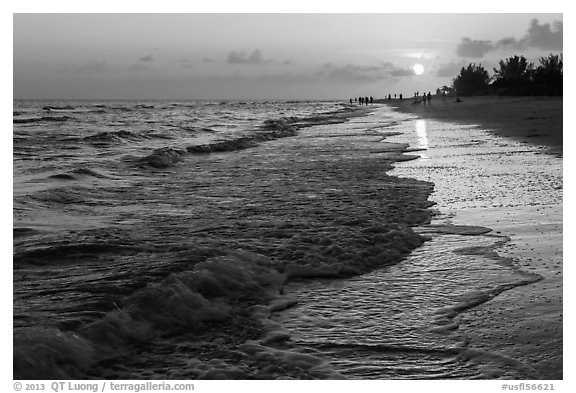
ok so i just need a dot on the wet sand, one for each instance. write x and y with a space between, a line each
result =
528 319
535 120
525 322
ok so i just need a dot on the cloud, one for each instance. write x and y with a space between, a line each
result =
473 48
544 36
402 72
510 43
254 58
538 36
147 58
360 73
241 58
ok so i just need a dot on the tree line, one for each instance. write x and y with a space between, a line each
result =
515 76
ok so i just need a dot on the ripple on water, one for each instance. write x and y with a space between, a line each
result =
402 321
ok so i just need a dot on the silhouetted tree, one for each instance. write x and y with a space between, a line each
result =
548 77
472 80
514 76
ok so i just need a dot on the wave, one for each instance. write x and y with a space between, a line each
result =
76 174
41 119
49 354
210 292
54 253
164 157
107 137
120 109
51 108
270 130
102 108
222 146
215 292
23 231
61 196
194 129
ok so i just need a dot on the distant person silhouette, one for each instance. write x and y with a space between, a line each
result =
366 100
400 95
371 99
429 98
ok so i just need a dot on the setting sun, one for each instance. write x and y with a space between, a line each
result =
418 69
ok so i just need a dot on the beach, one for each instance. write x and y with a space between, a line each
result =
288 196
527 319
535 120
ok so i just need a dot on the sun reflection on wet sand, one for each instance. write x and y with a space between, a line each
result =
420 126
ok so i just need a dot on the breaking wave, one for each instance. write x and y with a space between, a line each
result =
163 158
79 173
42 119
270 130
212 291
215 290
113 136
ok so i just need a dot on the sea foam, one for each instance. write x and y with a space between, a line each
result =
209 292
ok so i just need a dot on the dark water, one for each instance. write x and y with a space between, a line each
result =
183 240
152 240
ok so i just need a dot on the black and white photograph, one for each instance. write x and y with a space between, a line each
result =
287 196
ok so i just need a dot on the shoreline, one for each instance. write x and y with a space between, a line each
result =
317 201
528 319
533 120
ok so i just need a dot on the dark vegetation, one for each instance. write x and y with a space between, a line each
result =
515 76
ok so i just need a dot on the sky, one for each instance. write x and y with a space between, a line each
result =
263 56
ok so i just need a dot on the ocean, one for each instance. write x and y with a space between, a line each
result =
254 240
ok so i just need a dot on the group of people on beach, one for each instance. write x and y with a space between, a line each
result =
370 100
390 96
363 100
425 97
428 97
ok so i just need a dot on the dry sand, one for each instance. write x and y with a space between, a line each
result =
528 319
536 120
